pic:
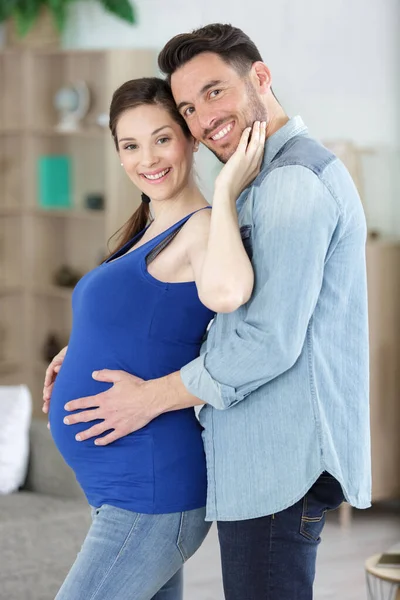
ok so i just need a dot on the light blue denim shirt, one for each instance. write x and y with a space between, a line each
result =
285 377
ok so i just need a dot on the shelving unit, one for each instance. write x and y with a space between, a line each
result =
35 242
383 262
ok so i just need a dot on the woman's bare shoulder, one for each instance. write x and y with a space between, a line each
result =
199 221
196 230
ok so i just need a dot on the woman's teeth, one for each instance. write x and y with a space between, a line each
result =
158 175
222 133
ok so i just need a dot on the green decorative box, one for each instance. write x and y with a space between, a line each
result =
54 181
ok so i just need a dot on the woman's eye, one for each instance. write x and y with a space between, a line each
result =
130 147
163 140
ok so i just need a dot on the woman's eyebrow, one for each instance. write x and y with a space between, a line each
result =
130 139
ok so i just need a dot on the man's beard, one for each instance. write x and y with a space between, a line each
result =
255 111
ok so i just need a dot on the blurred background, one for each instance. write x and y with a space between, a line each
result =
63 193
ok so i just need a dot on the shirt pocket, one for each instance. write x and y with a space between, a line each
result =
246 235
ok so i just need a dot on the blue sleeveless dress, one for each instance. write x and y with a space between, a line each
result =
123 318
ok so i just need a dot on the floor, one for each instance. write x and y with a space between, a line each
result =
340 568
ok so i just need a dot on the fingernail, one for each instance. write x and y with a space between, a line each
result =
95 373
97 442
66 420
78 438
66 406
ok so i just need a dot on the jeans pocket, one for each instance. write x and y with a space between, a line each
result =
192 532
325 495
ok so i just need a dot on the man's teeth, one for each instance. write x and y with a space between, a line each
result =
157 176
221 133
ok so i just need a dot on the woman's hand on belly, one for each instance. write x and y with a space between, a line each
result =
50 377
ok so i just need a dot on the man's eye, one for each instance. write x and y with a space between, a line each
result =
214 93
188 111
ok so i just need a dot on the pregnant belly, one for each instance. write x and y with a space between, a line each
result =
123 465
71 384
168 449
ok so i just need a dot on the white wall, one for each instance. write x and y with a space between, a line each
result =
336 63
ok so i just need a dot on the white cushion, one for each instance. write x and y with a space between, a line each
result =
15 419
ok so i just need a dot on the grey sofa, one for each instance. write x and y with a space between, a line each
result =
42 526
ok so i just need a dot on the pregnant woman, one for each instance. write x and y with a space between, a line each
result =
145 310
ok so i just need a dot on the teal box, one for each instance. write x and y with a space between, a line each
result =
54 181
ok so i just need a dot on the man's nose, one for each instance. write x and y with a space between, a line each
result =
206 120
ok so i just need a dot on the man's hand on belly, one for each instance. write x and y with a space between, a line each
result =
130 404
122 408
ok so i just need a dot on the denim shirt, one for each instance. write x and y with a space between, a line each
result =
285 377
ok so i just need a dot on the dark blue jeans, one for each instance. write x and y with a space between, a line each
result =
273 558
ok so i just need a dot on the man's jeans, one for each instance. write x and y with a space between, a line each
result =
132 556
273 558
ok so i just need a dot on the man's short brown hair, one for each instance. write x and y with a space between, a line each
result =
230 43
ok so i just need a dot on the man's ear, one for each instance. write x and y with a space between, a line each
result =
196 145
261 77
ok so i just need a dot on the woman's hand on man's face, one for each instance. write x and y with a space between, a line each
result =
244 164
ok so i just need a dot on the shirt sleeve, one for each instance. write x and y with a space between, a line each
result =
294 222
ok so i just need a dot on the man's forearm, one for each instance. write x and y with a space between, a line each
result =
169 393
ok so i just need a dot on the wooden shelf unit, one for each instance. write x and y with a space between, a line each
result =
383 266
35 242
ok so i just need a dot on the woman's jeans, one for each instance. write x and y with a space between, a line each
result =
273 558
134 556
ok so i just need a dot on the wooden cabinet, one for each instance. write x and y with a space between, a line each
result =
383 270
383 264
35 242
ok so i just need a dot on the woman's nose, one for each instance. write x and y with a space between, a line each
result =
149 158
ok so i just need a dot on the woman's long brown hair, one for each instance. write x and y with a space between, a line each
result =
134 93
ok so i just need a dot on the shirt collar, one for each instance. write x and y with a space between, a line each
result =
294 126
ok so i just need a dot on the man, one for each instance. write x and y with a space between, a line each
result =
281 385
